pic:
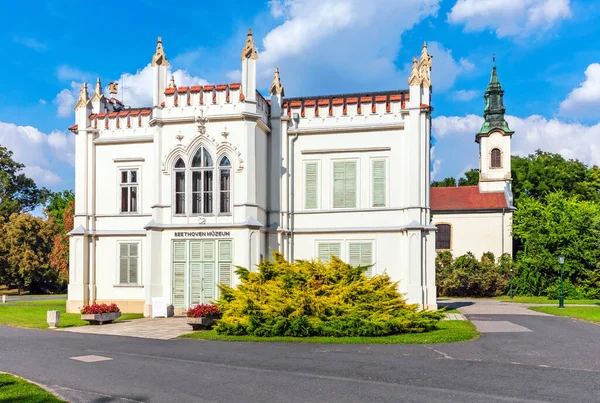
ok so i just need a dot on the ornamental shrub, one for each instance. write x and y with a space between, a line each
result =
466 276
203 310
99 309
315 298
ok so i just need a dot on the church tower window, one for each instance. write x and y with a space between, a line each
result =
225 186
496 158
202 182
180 187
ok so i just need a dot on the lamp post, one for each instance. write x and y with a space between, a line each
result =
511 290
561 299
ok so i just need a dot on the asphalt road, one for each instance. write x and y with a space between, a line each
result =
557 361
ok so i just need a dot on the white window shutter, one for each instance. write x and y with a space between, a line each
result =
225 266
225 273
179 285
195 251
354 254
123 263
208 251
335 249
195 283
311 184
379 183
208 269
179 251
325 250
350 184
338 184
361 254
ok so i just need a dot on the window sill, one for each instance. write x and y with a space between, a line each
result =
128 286
128 213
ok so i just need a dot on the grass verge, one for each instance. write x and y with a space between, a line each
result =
32 314
449 331
546 300
14 389
588 313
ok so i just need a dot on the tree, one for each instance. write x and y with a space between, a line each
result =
447 182
57 203
541 173
18 193
546 228
59 256
471 178
25 243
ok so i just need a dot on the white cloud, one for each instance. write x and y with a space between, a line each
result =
361 39
571 140
445 68
42 101
135 90
68 73
509 17
584 100
66 99
30 43
41 153
465 95
234 75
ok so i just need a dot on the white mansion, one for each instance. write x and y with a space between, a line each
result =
170 198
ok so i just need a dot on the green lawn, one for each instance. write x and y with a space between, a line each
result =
545 300
33 314
13 389
589 313
449 331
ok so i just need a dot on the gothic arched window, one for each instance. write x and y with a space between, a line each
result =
202 182
496 158
179 187
443 236
224 185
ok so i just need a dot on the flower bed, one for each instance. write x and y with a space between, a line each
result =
99 314
202 316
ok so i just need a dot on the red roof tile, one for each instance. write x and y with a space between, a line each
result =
113 114
146 112
310 102
73 128
123 113
351 100
235 86
381 98
170 91
182 90
135 112
208 87
101 115
323 102
338 101
221 87
397 97
92 116
196 88
465 198
295 104
366 99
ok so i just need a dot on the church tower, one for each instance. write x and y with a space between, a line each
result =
494 140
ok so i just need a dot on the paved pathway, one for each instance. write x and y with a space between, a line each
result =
147 328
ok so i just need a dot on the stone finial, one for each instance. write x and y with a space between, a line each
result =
159 58
84 97
425 63
98 94
276 87
113 89
249 51
172 82
415 77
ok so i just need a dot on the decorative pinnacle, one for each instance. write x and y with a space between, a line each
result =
276 87
113 88
84 97
249 51
172 82
159 58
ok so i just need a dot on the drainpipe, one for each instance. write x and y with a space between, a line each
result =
296 120
503 210
93 279
250 249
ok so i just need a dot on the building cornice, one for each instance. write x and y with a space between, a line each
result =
345 150
347 128
124 140
213 118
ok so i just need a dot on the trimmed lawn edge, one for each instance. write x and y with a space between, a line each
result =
590 314
42 392
449 331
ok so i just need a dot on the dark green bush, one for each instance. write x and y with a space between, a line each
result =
468 277
314 298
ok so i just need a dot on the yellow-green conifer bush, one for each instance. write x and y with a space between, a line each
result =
314 298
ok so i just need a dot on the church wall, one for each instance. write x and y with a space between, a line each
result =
478 232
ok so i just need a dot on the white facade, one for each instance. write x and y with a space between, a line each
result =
170 198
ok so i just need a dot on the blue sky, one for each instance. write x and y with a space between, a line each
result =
547 58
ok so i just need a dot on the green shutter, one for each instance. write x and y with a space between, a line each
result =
123 263
350 184
310 185
361 254
195 283
208 251
179 251
208 283
179 285
325 250
338 184
225 266
379 183
133 263
344 184
196 251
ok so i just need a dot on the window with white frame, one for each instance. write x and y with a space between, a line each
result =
361 254
225 186
327 249
344 184
129 263
207 180
379 183
311 183
129 190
